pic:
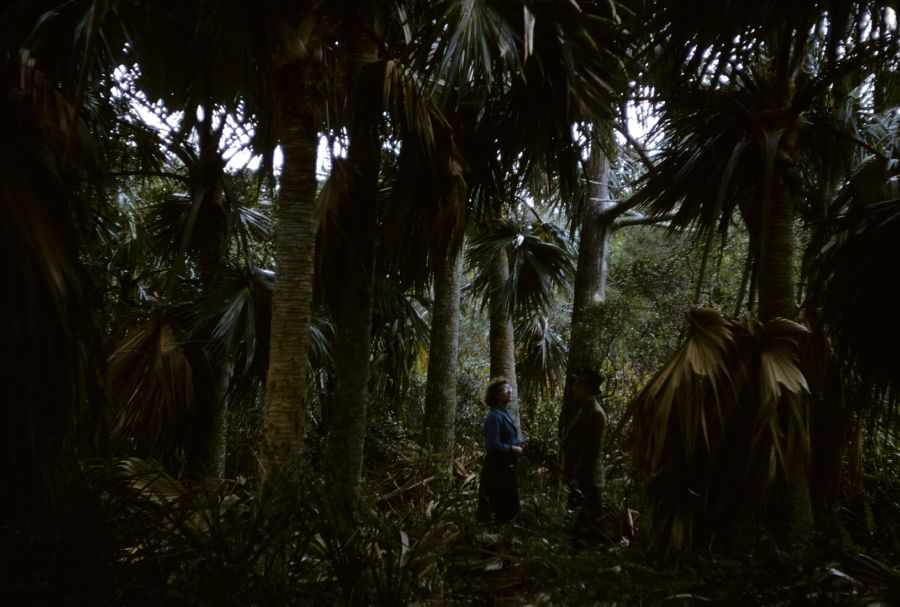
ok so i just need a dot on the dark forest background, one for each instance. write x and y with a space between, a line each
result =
263 258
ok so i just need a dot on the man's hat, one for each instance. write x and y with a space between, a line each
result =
591 378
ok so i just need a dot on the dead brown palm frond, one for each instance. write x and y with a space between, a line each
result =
782 416
149 480
163 393
675 394
716 426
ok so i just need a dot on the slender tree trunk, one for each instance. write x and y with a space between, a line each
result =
503 340
345 439
219 451
285 417
590 279
440 395
776 275
353 318
777 298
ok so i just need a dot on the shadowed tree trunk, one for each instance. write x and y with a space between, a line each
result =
285 417
440 396
777 298
502 340
590 278
353 316
219 450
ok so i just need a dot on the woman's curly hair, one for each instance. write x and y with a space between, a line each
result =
493 389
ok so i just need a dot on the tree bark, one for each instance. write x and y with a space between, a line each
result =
219 450
285 417
596 230
345 441
440 394
777 299
502 338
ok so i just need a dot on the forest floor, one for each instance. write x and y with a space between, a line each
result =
533 565
538 561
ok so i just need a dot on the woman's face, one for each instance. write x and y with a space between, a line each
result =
504 395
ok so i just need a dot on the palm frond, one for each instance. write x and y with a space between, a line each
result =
424 192
400 335
690 397
690 424
471 41
207 544
858 298
541 354
163 396
52 359
233 317
781 428
705 168
538 269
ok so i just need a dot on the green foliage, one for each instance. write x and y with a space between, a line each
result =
540 265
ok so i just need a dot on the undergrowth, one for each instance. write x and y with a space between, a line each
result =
146 539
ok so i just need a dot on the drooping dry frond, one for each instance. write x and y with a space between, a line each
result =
164 394
718 423
675 400
782 417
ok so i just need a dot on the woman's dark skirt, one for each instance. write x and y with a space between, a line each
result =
498 489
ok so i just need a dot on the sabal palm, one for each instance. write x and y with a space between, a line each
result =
227 57
540 270
716 424
743 121
847 270
518 90
222 55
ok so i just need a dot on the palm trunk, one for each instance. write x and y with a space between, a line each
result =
285 417
590 279
347 410
777 299
353 317
440 395
219 450
502 339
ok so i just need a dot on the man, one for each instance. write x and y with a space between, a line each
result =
582 454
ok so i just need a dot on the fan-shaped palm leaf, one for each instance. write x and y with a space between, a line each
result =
399 335
423 188
541 359
163 395
781 386
538 269
857 266
690 424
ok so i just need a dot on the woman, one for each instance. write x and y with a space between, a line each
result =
498 491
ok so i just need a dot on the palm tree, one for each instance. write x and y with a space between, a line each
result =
440 397
421 239
845 266
539 266
562 67
236 66
743 118
589 289
279 80
350 292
